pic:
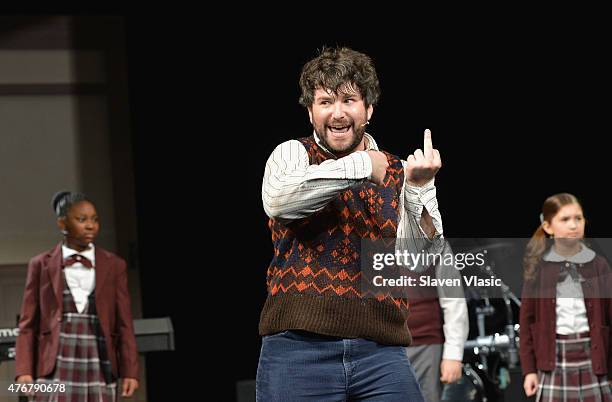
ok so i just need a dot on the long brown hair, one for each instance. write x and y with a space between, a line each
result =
539 242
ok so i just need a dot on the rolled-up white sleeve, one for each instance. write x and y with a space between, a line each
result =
410 235
417 198
292 188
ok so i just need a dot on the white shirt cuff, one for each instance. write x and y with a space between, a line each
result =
452 352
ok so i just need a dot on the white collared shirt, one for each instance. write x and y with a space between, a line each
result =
81 280
570 308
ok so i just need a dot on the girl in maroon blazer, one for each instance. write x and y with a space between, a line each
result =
75 329
566 310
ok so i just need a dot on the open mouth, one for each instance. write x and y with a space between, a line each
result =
339 131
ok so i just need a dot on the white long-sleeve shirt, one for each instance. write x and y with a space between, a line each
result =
293 189
456 325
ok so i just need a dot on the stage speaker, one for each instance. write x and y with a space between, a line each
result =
154 334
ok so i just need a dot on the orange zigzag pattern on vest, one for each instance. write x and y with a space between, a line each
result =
339 290
306 271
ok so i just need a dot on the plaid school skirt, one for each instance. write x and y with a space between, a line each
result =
82 364
573 379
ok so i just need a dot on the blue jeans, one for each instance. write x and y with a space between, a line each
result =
301 366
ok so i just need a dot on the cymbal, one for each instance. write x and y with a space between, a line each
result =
506 245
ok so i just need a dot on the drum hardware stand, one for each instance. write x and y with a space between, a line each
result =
509 341
484 348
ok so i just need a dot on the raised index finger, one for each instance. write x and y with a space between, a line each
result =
427 145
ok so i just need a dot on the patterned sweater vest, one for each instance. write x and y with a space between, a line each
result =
314 278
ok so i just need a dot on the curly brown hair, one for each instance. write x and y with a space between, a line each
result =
340 69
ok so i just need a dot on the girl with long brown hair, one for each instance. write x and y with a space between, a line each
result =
566 309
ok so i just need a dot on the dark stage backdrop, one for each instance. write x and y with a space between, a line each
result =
515 120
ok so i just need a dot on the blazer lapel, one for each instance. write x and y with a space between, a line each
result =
550 276
102 269
54 269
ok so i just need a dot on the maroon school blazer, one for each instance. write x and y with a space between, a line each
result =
37 345
539 318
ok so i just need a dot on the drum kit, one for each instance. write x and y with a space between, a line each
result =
491 352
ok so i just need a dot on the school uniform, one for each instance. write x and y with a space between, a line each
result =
565 327
76 324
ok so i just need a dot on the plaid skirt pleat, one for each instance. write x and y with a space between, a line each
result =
82 363
573 379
